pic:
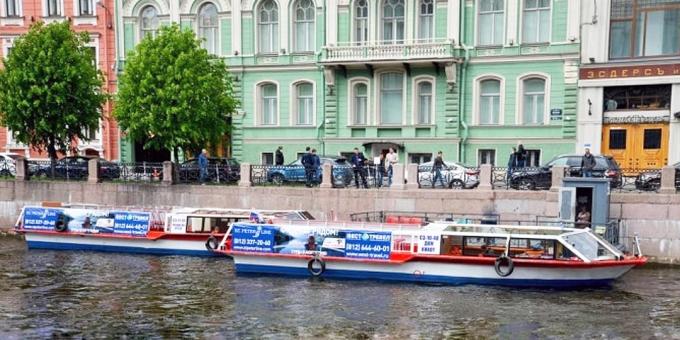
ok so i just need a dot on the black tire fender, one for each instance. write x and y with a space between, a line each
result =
211 243
60 226
504 260
318 271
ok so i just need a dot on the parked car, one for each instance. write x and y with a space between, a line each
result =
456 175
222 169
651 181
295 172
541 177
8 164
72 167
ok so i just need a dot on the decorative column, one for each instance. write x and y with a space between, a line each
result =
327 176
168 170
667 180
21 169
485 177
557 177
93 170
397 177
412 176
245 176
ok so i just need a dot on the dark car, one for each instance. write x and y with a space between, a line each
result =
219 170
295 172
72 167
541 177
651 181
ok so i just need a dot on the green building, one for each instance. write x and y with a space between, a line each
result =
470 78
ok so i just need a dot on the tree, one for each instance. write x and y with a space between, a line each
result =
50 89
173 94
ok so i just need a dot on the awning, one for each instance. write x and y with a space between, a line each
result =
387 143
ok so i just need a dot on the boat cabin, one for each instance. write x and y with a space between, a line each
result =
217 221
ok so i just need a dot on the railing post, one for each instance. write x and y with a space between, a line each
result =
21 168
557 177
397 177
93 170
412 176
326 176
485 177
245 176
667 180
168 172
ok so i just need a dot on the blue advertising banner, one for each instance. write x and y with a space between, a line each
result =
40 218
368 245
131 223
253 238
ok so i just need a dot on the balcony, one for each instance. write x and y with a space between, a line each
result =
382 51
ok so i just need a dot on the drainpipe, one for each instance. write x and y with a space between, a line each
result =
461 105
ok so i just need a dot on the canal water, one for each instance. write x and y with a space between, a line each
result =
47 294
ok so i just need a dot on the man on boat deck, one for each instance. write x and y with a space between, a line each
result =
203 165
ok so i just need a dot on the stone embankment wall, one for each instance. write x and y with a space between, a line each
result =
654 217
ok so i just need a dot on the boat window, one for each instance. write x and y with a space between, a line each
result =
207 224
483 246
531 248
588 245
452 245
403 243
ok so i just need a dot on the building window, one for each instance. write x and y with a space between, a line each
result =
208 26
652 139
491 23
644 28
489 102
617 139
12 8
53 8
533 158
268 27
647 97
360 21
425 103
486 156
267 158
426 20
360 104
93 53
391 98
536 21
533 102
269 106
149 22
304 103
85 7
304 26
393 21
419 158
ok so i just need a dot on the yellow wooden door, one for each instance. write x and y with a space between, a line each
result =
651 146
617 141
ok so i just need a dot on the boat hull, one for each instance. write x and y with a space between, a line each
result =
117 245
445 273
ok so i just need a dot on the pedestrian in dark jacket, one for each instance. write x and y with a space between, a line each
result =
308 163
358 161
203 166
380 171
437 168
278 157
587 164
512 162
520 156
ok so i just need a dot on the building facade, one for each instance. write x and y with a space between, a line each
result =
93 16
629 82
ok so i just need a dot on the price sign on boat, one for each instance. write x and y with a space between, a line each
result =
131 223
253 238
368 245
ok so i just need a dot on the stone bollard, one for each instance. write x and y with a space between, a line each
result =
326 176
557 177
412 176
667 180
245 176
93 170
485 177
168 172
21 168
397 177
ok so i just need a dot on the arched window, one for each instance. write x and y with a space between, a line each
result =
533 100
149 18
268 103
424 102
207 27
426 20
268 26
304 103
359 104
304 25
393 21
391 98
360 21
489 102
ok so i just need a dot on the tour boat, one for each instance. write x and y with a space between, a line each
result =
183 231
440 252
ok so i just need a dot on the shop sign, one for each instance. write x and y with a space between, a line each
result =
629 71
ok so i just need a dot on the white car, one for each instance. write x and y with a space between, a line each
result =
8 164
455 175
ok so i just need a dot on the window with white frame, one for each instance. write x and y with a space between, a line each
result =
11 138
426 20
393 12
486 156
360 21
489 102
424 102
491 22
303 26
268 27
536 21
419 158
12 8
391 98
533 100
208 27
359 103
269 104
533 158
644 28
149 22
267 158
304 103
53 8
85 7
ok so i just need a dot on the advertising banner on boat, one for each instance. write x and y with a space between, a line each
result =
429 243
40 218
131 223
86 220
305 239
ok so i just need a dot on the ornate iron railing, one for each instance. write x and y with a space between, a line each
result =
62 170
131 171
7 169
346 176
647 180
526 178
283 175
214 174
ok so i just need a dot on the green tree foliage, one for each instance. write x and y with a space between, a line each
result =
50 89
173 95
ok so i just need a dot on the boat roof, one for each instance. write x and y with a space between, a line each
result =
237 212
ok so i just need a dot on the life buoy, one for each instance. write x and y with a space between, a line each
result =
60 226
503 260
320 264
212 243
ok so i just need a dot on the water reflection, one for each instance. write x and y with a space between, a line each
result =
49 293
